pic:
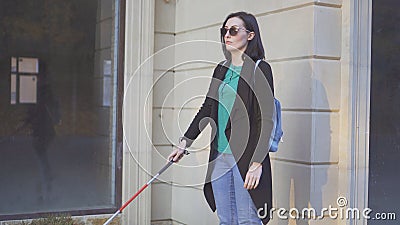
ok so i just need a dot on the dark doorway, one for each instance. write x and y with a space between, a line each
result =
384 163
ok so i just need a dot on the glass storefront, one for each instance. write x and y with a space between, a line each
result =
59 106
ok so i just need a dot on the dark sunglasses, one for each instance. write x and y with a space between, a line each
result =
234 30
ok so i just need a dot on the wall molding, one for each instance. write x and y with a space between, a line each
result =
360 82
137 109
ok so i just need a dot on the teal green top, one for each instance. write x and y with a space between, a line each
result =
227 95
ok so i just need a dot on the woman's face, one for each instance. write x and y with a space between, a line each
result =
239 41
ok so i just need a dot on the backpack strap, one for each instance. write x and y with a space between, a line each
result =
254 72
276 134
223 64
258 62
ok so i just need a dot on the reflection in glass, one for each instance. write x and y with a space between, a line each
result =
58 123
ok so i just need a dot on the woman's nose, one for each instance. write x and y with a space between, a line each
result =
227 34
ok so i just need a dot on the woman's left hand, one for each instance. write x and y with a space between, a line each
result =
253 176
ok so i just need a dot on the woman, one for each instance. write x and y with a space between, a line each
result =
239 108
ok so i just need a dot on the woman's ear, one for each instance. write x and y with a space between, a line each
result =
250 36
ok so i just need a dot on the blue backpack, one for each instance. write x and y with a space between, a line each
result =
277 132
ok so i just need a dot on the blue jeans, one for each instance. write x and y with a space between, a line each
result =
233 201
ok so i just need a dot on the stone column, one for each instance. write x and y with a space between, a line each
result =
137 111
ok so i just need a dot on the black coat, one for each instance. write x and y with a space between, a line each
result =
250 119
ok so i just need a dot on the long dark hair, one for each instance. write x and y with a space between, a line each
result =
255 49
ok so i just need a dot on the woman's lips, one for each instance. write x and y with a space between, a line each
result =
228 42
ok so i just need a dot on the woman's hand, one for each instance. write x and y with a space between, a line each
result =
253 176
177 152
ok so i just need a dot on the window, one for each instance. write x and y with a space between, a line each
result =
60 84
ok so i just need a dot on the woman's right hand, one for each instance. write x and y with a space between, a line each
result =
177 152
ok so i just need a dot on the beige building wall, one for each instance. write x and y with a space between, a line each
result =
303 43
312 47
